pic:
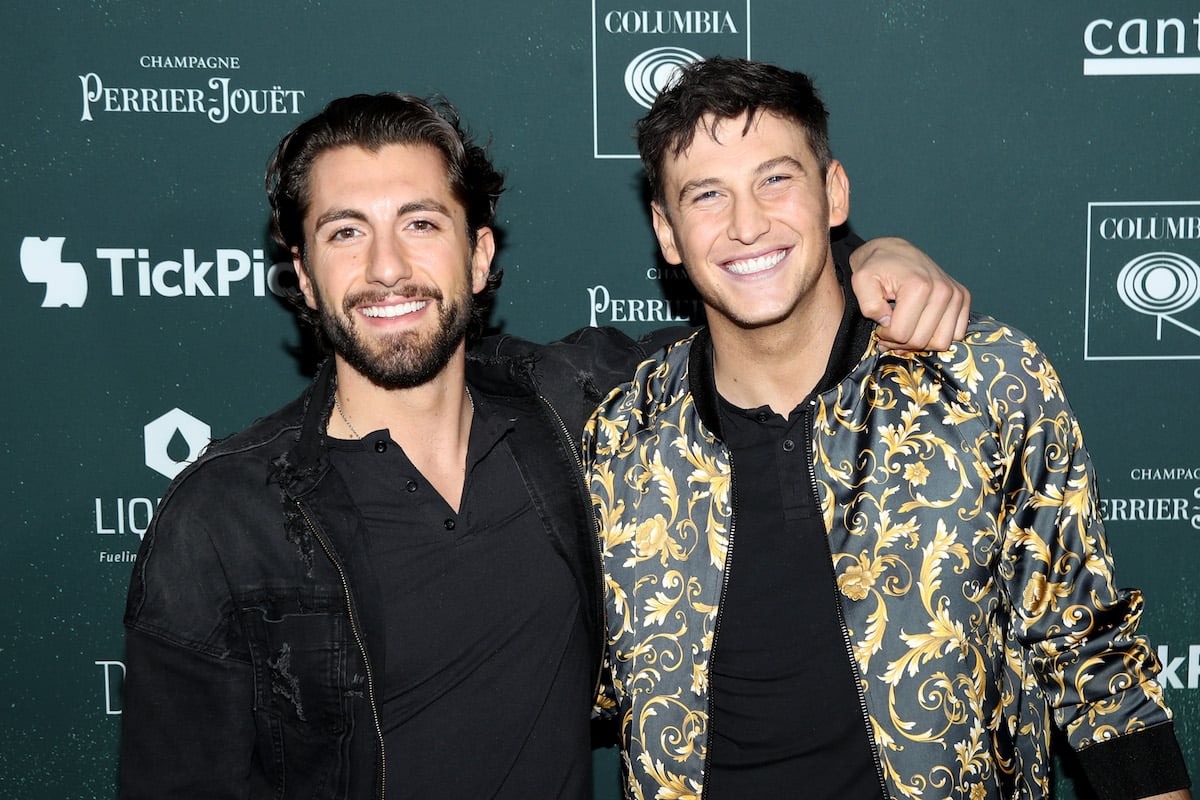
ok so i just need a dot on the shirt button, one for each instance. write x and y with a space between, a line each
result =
788 445
449 524
380 446
411 486
761 416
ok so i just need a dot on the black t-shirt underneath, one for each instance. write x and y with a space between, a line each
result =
488 688
787 717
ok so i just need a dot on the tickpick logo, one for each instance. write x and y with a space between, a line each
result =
176 433
42 262
131 270
1175 675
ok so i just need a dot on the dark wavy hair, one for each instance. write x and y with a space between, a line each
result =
371 122
722 89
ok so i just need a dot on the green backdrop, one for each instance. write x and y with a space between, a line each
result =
1045 154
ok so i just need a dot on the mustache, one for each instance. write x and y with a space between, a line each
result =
410 291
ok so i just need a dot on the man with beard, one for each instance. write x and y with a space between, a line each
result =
390 587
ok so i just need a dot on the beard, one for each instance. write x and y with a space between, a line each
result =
398 360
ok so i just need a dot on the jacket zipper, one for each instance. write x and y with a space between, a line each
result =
362 648
597 562
712 651
837 604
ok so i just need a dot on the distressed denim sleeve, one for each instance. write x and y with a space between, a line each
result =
187 724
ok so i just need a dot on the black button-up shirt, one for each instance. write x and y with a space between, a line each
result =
787 719
487 690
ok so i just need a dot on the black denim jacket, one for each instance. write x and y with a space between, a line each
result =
253 625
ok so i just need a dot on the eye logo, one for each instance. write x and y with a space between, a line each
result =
656 70
174 440
66 281
1159 285
638 52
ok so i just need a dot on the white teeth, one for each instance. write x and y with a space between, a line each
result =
389 312
753 265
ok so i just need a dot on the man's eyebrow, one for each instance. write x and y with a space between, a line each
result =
767 166
424 204
776 163
700 183
338 214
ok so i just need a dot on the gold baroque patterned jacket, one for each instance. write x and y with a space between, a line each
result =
973 575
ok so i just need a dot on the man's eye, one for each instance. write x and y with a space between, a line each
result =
774 179
423 225
342 234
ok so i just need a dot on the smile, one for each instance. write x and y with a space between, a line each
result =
751 266
390 312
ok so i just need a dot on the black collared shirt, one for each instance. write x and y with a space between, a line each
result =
787 720
488 684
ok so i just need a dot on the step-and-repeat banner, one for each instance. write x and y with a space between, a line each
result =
1045 154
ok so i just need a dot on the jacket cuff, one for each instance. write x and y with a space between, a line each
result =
1136 765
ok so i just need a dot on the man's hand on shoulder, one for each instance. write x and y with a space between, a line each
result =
917 305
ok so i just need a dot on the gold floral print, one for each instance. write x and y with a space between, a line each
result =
969 558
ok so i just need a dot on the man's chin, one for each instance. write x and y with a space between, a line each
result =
399 359
401 362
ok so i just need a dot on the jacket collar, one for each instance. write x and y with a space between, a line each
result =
301 467
305 463
852 341
501 376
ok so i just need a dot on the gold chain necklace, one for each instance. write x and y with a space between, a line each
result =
341 413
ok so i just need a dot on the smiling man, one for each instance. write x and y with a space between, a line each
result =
394 341
390 588
833 572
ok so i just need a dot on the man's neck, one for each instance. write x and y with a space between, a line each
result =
777 365
431 422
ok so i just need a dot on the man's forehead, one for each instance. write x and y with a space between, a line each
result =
726 131
390 152
367 173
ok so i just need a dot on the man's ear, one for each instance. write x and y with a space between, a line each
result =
303 279
665 233
837 191
481 258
